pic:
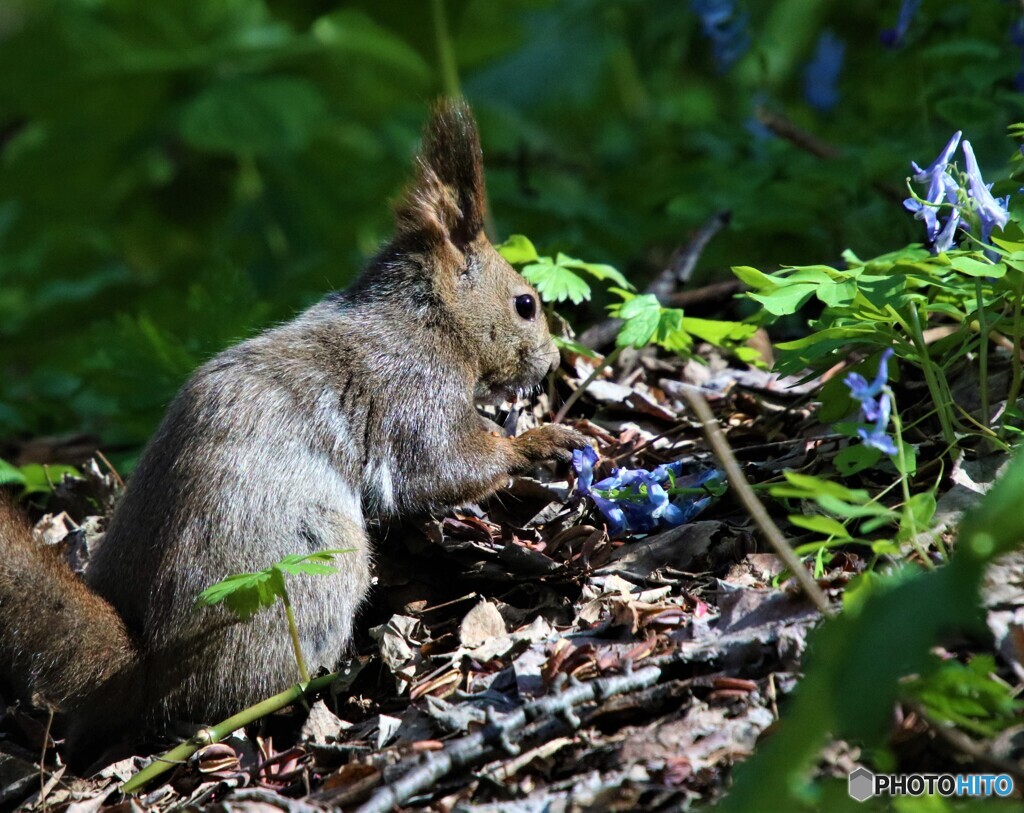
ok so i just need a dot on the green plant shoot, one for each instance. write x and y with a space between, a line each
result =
245 594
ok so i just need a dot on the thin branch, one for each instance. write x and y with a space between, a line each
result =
550 716
606 362
754 507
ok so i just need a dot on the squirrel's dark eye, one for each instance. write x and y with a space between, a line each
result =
526 306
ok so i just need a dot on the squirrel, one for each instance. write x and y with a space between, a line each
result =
360 409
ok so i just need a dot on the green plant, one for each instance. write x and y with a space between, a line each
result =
645 321
245 594
33 477
857 662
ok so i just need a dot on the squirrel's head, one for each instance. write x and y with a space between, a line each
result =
496 313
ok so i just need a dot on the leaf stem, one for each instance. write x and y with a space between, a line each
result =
608 361
445 52
938 393
208 736
983 354
908 511
1015 362
293 631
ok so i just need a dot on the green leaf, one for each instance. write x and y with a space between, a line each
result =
722 333
253 115
922 508
757 280
574 347
245 594
351 33
10 474
821 524
977 268
596 270
856 458
555 283
785 299
518 250
641 316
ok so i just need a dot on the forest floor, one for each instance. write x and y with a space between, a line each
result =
519 656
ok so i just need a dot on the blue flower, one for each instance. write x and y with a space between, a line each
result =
583 461
821 74
992 211
875 405
725 28
941 189
969 202
893 37
876 435
638 500
859 387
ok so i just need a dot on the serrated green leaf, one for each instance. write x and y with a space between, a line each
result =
641 316
556 283
597 270
518 250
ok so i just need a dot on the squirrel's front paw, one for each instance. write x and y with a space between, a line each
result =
549 442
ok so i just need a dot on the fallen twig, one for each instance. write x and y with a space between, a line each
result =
550 716
754 507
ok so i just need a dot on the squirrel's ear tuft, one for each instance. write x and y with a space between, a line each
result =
447 199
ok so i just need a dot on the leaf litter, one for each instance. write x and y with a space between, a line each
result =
520 655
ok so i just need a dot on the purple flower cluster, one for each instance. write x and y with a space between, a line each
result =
725 27
875 405
967 201
821 74
893 37
638 500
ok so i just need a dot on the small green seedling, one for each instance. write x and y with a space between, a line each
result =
245 594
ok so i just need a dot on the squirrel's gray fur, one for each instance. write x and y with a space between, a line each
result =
359 409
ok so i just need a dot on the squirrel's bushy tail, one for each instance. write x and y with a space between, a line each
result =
59 641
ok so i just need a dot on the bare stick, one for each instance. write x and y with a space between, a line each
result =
754 507
553 714
607 361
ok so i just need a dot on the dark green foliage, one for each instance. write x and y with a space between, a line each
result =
856 661
176 175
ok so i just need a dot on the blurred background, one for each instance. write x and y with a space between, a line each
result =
176 175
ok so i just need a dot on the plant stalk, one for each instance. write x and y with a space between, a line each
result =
754 506
938 394
1015 363
986 416
908 512
208 736
293 631
445 52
